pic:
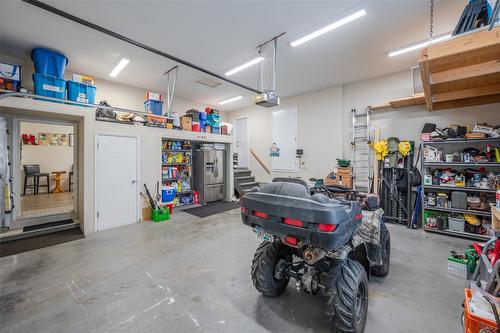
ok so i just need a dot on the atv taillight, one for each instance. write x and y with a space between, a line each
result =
327 227
295 223
262 215
290 240
358 216
244 210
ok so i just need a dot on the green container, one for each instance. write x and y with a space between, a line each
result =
159 215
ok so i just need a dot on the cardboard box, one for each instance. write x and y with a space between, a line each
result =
186 123
343 177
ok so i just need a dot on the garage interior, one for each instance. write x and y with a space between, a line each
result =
293 166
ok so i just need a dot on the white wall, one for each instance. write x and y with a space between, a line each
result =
50 158
319 133
325 122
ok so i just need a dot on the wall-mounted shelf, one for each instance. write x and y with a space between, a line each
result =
457 188
458 233
456 210
415 99
462 164
462 71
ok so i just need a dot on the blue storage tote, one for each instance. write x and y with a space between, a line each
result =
215 130
49 86
213 119
154 107
81 92
48 62
168 193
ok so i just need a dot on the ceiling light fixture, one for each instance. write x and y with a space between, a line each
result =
118 68
419 45
329 27
245 65
230 100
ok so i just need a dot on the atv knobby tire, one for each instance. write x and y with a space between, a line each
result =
263 268
346 292
385 244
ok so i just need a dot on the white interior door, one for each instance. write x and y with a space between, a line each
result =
284 139
241 136
116 181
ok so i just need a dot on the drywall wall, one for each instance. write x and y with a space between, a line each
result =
115 94
319 133
325 121
50 158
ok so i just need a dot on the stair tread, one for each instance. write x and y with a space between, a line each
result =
248 184
243 177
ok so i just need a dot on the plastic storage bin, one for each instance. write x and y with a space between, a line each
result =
195 127
154 107
168 194
215 130
456 224
81 92
48 62
159 215
49 86
472 322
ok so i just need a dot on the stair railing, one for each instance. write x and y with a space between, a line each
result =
261 162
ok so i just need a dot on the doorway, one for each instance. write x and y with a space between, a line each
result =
242 146
116 181
46 169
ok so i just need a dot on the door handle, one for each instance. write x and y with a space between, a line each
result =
134 181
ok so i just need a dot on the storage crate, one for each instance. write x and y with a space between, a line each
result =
456 224
48 62
81 92
154 107
160 215
49 86
10 76
473 323
458 267
168 194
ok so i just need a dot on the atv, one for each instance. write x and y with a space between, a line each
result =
327 246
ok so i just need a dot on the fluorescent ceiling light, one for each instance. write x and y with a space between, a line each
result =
118 68
230 100
418 46
328 28
245 65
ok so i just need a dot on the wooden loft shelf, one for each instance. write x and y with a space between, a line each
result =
415 99
462 71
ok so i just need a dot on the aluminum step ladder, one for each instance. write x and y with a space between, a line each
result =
361 152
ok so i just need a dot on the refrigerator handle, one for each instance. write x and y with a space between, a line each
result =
216 171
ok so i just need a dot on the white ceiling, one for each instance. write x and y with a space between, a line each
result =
219 35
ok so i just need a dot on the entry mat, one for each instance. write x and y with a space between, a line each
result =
212 208
39 242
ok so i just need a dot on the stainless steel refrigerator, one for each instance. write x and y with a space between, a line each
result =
208 174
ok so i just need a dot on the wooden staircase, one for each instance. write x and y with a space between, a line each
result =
243 181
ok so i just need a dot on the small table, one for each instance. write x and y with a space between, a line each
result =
57 178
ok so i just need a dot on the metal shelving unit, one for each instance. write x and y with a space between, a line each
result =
184 164
456 145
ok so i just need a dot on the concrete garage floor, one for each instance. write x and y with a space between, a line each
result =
193 275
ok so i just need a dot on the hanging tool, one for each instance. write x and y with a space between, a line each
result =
146 198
